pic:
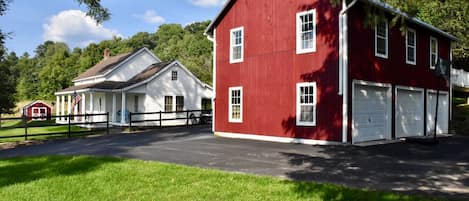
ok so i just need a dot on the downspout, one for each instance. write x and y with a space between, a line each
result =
213 39
343 65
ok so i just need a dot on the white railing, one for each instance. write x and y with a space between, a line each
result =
460 78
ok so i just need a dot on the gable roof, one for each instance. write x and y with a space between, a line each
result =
104 65
113 85
34 102
378 3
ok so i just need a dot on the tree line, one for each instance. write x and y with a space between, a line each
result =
54 65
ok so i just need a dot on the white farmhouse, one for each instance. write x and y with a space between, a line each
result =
136 82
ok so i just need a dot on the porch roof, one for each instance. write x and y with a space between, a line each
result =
113 85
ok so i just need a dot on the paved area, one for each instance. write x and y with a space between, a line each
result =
441 170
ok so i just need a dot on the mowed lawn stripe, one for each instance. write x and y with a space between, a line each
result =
99 178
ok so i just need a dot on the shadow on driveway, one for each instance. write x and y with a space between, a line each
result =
440 170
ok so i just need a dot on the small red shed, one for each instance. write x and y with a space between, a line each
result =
37 111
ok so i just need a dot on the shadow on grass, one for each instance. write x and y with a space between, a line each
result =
28 169
329 192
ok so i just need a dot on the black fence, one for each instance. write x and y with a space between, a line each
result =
27 122
156 119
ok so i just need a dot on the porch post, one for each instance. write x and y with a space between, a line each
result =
123 109
69 104
91 106
83 107
57 108
113 108
62 112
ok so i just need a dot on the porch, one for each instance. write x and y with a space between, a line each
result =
98 102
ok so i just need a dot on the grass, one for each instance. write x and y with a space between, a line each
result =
90 178
460 123
44 128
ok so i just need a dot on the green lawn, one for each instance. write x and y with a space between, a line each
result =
51 127
89 178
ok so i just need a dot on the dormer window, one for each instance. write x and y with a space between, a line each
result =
381 39
306 32
174 75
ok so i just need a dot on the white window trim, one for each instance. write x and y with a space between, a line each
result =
407 46
298 104
299 49
430 50
230 108
232 60
384 56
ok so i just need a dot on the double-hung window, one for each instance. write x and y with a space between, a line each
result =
179 103
381 38
433 52
236 105
237 45
306 104
411 46
306 32
168 103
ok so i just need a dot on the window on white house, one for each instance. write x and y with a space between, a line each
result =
174 75
433 52
179 103
100 104
237 45
168 103
135 103
236 104
411 46
306 32
381 39
306 104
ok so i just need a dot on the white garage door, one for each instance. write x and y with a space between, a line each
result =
442 126
371 112
409 112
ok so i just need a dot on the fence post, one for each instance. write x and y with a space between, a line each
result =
69 126
187 118
107 123
130 121
160 119
25 124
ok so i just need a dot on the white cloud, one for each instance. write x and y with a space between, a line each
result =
207 3
150 16
76 29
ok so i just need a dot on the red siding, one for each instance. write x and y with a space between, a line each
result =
271 69
364 65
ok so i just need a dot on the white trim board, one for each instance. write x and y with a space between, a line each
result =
275 139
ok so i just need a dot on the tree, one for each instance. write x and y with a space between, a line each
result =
7 84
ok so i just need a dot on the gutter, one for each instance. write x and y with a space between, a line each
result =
213 39
343 65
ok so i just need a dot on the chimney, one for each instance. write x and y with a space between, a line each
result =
107 53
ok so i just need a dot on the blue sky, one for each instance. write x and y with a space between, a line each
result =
32 22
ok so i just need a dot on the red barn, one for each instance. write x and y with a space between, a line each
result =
37 111
307 71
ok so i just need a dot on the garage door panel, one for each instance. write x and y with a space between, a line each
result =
409 112
443 113
370 113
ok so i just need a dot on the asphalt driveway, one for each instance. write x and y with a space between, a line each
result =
441 170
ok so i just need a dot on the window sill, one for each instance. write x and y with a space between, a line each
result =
305 51
411 63
383 56
235 121
236 61
306 124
